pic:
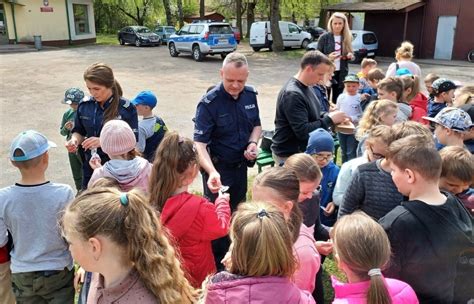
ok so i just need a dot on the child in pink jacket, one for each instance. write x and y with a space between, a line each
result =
362 263
130 170
261 261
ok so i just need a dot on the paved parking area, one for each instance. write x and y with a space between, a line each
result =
32 85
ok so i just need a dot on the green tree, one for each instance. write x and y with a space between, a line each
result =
137 10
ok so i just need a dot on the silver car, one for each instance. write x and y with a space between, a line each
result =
201 39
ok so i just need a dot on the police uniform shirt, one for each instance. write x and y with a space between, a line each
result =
225 123
90 116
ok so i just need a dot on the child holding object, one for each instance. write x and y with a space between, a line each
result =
192 220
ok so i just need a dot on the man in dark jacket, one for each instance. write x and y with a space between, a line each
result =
298 110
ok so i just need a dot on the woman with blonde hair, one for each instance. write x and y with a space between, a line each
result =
404 56
118 236
262 261
362 250
337 45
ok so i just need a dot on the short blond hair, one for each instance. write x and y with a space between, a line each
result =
236 58
458 163
27 164
366 62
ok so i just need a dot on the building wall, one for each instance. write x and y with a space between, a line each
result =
52 26
389 31
463 37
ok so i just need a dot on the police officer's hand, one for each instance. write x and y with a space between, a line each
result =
214 181
338 117
251 152
91 143
324 248
71 145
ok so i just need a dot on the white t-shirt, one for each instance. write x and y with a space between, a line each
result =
338 50
350 105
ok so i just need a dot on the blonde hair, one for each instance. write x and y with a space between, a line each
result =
286 186
409 127
261 242
373 115
106 182
173 157
366 62
304 166
411 82
346 32
380 132
465 96
404 51
458 162
135 227
362 256
431 77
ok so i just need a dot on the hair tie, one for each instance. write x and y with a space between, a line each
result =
124 199
262 213
374 272
180 139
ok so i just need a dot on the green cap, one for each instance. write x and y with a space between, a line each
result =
351 78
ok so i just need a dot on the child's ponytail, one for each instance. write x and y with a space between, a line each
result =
377 293
364 258
151 252
173 157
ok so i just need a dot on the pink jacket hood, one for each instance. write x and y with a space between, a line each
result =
355 293
262 290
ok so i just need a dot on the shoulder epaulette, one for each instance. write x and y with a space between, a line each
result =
126 103
251 89
209 97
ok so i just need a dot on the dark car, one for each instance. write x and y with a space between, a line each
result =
315 31
237 34
164 32
138 35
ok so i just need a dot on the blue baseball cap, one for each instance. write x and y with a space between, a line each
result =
31 143
146 98
452 118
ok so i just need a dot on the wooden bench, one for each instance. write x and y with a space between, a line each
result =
264 159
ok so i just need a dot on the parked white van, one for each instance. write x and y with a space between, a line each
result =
292 34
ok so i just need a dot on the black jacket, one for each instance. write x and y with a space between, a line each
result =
298 112
326 45
427 242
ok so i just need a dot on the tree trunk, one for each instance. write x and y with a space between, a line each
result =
202 9
238 10
277 45
169 18
180 13
250 16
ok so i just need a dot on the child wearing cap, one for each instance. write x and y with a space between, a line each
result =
41 264
72 97
321 147
349 103
430 230
450 125
118 141
151 129
442 94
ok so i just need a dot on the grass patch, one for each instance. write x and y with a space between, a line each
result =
106 39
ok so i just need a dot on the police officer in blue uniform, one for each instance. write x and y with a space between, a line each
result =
106 103
227 128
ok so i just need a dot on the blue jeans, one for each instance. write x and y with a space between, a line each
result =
348 145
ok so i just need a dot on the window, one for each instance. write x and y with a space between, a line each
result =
220 29
369 39
184 30
292 28
81 19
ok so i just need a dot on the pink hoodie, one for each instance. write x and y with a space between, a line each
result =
130 174
308 259
228 288
355 293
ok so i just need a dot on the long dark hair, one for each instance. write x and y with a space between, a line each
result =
102 74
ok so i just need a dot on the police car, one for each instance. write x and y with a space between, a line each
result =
203 38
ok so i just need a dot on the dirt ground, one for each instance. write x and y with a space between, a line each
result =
32 85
